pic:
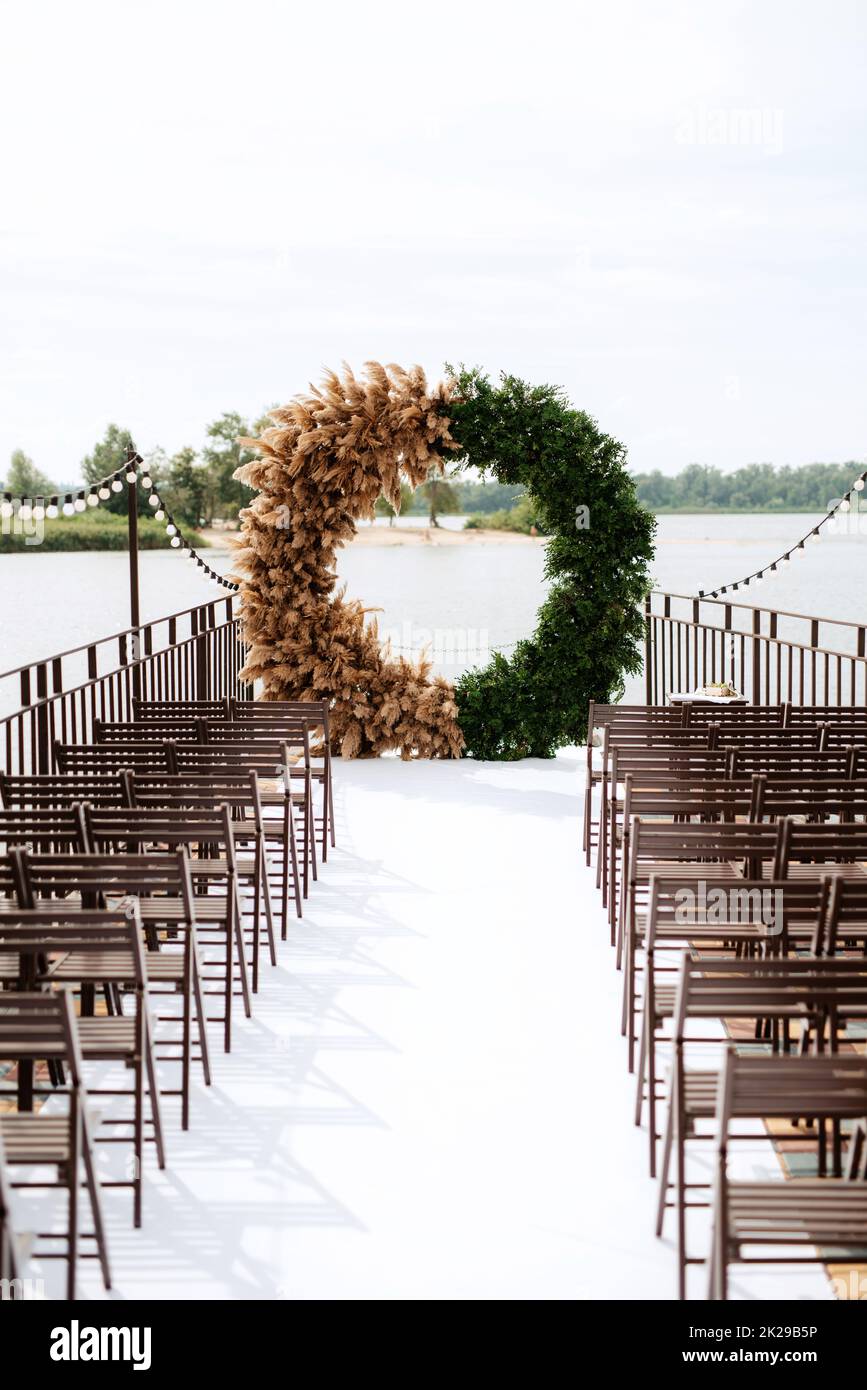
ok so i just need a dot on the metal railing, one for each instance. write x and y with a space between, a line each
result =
196 654
768 655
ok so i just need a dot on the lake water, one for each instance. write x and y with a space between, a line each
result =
462 599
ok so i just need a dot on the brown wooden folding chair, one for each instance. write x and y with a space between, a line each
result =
800 1220
214 871
718 853
77 948
288 835
162 886
41 1027
764 917
240 792
794 990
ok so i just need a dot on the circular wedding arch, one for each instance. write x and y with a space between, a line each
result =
322 466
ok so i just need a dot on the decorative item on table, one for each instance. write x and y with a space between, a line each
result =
718 690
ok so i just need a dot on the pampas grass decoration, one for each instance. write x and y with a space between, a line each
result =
321 468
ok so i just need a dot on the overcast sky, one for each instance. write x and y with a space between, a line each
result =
659 205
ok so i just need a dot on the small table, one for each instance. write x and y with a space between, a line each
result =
684 697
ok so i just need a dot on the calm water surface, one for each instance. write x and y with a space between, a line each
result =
461 599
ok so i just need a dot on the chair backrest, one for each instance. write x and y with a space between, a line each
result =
153 755
784 987
238 790
826 714
281 712
184 709
777 1087
40 1027
773 715
99 879
736 734
782 912
59 790
139 829
47 830
827 762
31 933
823 798
845 735
834 843
667 763
687 799
745 842
185 728
285 738
213 758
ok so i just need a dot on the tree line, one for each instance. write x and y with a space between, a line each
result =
200 489
757 487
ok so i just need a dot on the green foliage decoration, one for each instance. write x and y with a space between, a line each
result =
534 699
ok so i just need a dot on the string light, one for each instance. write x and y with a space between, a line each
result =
37 509
812 537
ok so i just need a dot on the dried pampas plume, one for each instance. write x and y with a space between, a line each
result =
320 469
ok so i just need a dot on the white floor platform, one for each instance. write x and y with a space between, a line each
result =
431 1100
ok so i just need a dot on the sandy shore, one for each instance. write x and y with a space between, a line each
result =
385 536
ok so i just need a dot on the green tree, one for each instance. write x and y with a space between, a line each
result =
24 479
191 488
106 457
223 454
440 495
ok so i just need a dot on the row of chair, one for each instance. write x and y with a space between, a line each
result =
145 868
735 879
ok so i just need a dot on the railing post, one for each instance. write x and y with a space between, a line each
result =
43 756
648 651
757 657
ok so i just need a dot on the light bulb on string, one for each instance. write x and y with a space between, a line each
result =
146 481
845 505
51 509
92 499
171 530
68 509
39 509
79 504
159 514
859 486
6 507
25 511
175 541
117 485
131 475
